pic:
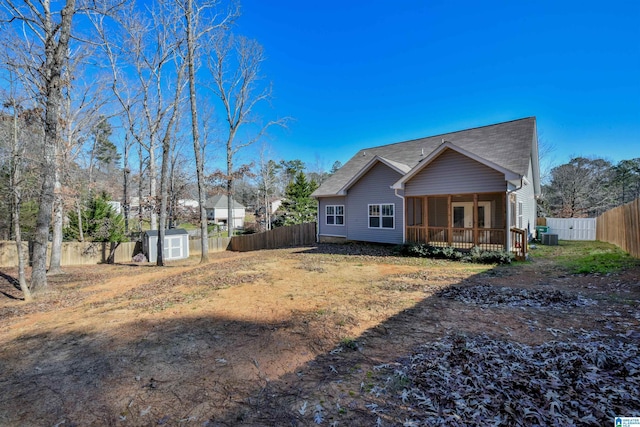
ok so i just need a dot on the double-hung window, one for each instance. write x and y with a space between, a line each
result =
335 214
382 216
520 214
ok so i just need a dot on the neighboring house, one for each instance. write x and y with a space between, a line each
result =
462 189
217 211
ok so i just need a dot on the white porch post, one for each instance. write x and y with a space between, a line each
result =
508 222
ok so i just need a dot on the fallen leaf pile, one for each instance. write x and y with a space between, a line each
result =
460 380
490 296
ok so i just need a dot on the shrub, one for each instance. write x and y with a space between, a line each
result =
99 221
476 254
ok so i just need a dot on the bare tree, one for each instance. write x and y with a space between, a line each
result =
47 35
580 188
80 112
15 135
126 172
266 180
235 66
144 44
200 19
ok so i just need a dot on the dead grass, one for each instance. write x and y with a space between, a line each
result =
285 337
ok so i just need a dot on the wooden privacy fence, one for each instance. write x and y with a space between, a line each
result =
216 244
281 237
75 253
621 227
91 253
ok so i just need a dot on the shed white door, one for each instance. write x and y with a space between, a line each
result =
173 247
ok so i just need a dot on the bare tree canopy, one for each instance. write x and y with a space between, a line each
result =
587 187
47 36
234 63
107 81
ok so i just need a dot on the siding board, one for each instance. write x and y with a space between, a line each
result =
374 187
526 195
454 173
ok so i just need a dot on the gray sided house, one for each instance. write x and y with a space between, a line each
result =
176 244
218 212
475 187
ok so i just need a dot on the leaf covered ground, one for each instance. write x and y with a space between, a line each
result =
329 335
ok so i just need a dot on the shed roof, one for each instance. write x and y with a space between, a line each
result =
169 232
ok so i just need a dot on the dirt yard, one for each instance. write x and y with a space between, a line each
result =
326 335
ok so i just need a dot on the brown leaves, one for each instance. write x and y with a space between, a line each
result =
478 380
491 296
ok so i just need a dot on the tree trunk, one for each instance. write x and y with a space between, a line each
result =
141 165
55 61
163 203
230 184
22 280
125 186
56 242
172 196
229 203
197 148
153 191
80 224
16 185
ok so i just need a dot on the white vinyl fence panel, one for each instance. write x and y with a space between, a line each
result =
573 228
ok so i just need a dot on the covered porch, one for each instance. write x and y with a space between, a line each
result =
463 221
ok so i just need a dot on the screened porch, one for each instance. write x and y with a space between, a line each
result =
462 221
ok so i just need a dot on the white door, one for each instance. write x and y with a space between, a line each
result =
462 214
173 247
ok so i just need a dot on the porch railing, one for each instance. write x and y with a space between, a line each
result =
461 238
519 243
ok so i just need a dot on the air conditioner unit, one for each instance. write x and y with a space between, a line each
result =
550 239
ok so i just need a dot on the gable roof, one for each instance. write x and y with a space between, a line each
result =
219 201
446 145
506 146
397 166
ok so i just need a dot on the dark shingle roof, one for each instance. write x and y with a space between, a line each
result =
508 145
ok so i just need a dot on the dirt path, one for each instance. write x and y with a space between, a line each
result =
249 338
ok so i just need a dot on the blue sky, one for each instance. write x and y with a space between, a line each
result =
354 74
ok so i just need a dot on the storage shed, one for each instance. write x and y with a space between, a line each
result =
176 244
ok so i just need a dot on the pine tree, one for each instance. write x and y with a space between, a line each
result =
104 151
100 223
298 206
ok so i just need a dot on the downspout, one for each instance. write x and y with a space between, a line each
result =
404 219
509 212
318 220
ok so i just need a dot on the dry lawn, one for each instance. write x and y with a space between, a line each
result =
275 338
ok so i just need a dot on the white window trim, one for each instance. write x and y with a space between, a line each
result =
334 215
380 205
